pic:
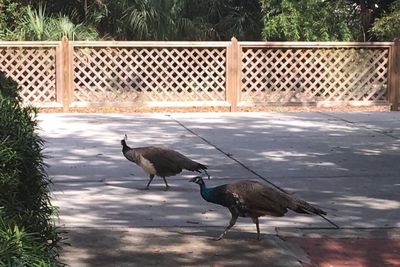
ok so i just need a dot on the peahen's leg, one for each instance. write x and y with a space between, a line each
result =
231 223
255 220
166 184
151 179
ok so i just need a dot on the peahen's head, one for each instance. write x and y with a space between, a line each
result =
123 141
198 180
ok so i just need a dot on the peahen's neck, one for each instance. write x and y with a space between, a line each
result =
125 147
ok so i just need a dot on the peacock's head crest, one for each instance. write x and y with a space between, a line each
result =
197 180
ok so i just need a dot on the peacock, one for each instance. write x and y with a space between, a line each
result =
160 161
253 199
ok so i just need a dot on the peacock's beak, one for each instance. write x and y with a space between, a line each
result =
194 179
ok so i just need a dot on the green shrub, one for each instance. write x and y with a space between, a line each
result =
28 236
8 87
36 25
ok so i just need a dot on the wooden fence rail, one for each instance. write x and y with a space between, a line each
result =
230 74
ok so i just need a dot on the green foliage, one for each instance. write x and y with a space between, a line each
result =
179 20
20 248
136 19
10 12
294 20
149 19
35 21
8 87
218 20
309 20
28 236
63 26
35 25
387 27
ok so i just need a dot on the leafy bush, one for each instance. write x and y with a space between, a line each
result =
28 236
8 87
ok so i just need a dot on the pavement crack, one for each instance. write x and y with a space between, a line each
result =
359 125
228 155
240 163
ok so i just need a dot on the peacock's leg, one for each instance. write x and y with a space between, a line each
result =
151 179
255 220
166 184
231 223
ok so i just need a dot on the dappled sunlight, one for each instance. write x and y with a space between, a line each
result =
346 169
369 202
286 155
370 152
176 247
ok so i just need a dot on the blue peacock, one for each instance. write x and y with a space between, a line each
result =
253 199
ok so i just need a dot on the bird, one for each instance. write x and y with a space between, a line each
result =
253 199
160 161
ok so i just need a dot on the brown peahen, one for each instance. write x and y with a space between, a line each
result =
159 161
253 199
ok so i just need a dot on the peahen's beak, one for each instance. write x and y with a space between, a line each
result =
207 174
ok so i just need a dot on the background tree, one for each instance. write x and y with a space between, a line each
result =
368 11
181 19
10 12
218 20
286 20
308 20
324 20
387 27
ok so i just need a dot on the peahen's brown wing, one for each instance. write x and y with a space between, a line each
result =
168 162
163 163
164 157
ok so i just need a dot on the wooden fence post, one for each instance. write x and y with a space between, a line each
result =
67 75
59 74
233 73
394 75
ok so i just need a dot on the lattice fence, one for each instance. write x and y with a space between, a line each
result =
135 74
34 68
285 75
231 74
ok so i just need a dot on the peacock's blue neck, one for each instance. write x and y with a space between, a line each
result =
207 193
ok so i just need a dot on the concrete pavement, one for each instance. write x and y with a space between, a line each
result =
344 162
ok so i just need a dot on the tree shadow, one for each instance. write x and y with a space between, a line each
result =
174 247
347 168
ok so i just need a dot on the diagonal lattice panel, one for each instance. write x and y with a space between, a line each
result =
314 74
34 69
149 74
